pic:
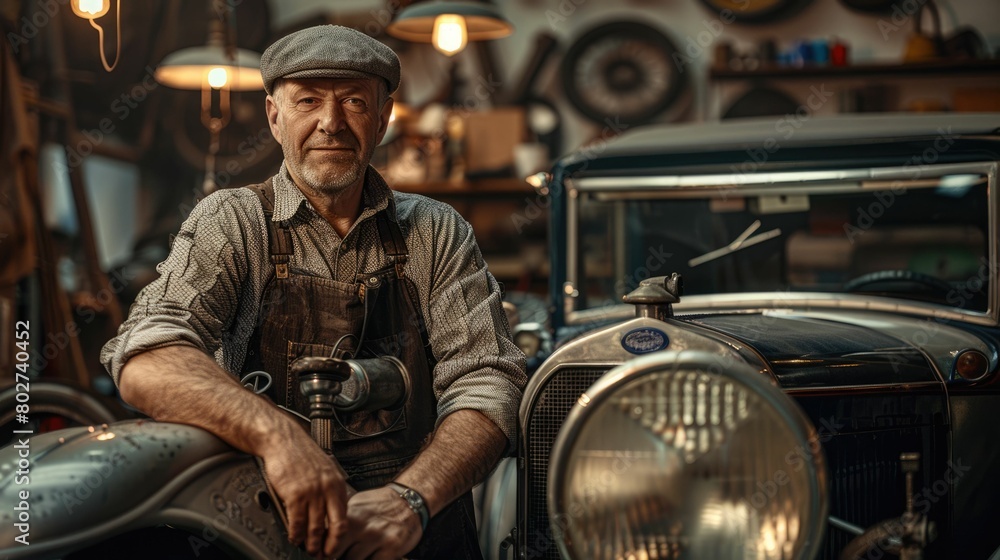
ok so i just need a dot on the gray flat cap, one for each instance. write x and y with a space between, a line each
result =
328 51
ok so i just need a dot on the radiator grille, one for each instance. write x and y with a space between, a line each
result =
866 485
554 403
866 480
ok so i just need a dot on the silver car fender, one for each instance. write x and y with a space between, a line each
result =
73 488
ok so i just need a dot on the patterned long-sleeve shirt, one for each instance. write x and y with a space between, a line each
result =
210 288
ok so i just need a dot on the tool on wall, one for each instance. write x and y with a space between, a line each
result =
542 116
921 46
879 7
755 11
624 71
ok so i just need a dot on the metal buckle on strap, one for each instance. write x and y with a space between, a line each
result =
281 270
398 262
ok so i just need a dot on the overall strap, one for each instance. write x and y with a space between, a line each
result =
279 238
392 241
395 248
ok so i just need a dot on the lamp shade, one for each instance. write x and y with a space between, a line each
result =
483 22
190 68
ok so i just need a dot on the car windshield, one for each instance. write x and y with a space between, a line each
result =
920 236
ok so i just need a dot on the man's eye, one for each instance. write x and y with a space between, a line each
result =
355 103
306 101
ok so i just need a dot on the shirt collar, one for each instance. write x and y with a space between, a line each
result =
288 199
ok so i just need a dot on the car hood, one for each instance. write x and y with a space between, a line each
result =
78 483
805 350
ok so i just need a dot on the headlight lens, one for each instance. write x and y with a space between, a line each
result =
531 338
675 456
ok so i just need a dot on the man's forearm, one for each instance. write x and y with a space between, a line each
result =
182 384
462 451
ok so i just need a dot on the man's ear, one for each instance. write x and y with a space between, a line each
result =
271 108
383 125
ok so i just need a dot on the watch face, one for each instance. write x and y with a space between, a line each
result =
413 498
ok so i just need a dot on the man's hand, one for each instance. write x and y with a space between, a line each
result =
182 384
314 491
381 526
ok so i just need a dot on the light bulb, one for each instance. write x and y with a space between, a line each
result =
217 77
90 9
450 34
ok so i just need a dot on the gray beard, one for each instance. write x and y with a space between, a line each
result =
330 186
320 184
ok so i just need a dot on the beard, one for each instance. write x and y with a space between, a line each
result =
328 173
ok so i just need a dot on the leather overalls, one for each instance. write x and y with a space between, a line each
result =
303 315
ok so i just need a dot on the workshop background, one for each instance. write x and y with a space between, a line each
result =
101 167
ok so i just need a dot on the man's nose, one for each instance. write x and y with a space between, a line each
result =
331 118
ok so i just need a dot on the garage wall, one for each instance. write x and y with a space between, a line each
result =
689 24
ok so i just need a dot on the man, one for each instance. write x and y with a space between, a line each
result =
323 260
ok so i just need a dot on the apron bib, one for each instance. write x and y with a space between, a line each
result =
376 315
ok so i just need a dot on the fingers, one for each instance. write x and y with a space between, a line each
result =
315 499
336 512
297 520
317 527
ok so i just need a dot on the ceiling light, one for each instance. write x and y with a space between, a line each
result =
93 9
449 26
197 67
214 69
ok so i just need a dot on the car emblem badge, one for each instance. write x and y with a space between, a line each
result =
645 340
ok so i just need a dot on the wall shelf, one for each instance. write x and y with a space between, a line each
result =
477 188
913 69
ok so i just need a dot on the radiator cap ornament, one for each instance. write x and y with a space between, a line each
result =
654 296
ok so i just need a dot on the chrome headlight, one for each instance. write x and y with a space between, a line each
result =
680 455
532 339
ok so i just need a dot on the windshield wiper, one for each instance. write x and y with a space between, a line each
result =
743 241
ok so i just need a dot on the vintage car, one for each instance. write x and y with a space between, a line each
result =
775 338
771 338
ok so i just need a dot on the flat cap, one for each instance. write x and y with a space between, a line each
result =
328 51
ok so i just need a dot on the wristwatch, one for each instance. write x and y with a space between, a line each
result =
414 500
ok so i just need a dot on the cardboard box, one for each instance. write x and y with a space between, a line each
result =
490 137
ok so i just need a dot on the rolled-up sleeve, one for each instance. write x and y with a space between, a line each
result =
198 292
479 367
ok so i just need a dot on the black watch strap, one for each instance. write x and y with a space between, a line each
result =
414 500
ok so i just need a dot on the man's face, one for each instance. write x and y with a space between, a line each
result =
328 129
